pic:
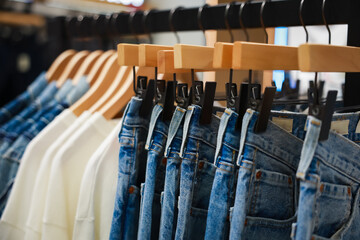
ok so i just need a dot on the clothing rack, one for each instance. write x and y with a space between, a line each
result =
276 13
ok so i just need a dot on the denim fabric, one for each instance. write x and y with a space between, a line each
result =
45 96
23 100
150 209
266 191
223 188
172 176
197 174
132 167
11 159
78 91
329 171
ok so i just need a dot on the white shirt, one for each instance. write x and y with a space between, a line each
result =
13 220
66 174
37 206
98 190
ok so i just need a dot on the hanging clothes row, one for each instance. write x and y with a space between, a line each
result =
121 145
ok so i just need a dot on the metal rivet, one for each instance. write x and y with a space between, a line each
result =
258 175
131 190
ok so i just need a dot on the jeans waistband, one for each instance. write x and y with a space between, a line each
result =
175 128
193 129
227 133
131 114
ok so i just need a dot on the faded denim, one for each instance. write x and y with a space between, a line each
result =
150 209
329 185
197 174
132 167
172 176
223 188
23 100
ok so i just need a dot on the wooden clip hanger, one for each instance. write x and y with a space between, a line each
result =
261 56
106 76
58 66
87 65
22 19
72 67
223 55
98 66
328 58
193 57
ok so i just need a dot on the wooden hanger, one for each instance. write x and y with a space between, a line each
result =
115 87
261 56
72 67
328 58
223 55
112 108
193 57
58 66
87 65
106 76
98 66
22 19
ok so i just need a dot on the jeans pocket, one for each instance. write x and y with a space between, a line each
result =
332 209
272 195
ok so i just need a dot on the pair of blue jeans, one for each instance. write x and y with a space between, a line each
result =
131 173
23 100
172 176
329 202
197 174
150 208
11 159
267 191
223 188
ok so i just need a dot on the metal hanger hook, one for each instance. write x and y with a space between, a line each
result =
199 18
324 19
241 20
131 26
145 21
171 22
262 19
226 20
302 20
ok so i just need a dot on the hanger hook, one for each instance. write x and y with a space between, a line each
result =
199 18
226 20
302 20
145 21
262 20
324 19
131 26
171 22
241 20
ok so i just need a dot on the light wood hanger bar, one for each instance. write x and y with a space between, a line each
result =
193 57
223 54
260 56
148 54
128 54
21 19
328 58
165 63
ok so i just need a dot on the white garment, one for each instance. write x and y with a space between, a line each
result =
66 174
13 220
98 190
37 206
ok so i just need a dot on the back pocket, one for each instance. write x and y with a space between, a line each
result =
272 195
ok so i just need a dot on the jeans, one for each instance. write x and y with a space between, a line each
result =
23 100
329 173
223 188
132 166
267 191
150 208
172 176
197 174
10 160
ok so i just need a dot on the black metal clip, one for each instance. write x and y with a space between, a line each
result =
264 109
168 101
147 95
183 98
231 95
207 103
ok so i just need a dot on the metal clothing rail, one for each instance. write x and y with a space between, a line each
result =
276 13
